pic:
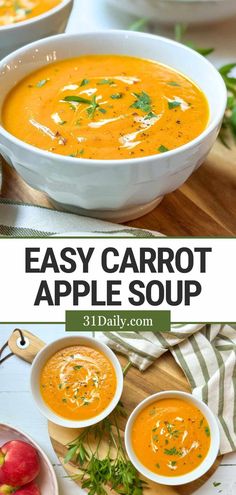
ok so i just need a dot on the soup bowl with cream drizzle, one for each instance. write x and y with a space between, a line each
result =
172 438
28 20
76 381
138 135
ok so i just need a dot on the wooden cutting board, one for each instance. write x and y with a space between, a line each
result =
164 374
204 206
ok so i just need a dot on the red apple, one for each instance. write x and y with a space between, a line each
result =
19 465
30 489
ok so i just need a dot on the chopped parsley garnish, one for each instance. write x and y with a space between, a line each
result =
173 463
152 412
199 456
207 431
77 367
143 102
105 81
64 400
93 105
173 104
41 83
62 122
173 451
215 483
163 149
77 99
158 465
84 82
116 96
102 110
173 83
60 386
92 108
150 115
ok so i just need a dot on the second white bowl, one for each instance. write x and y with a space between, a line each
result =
206 463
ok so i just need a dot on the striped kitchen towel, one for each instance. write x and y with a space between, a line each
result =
25 220
207 355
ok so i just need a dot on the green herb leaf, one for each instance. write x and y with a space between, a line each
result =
116 96
138 25
105 81
173 104
102 110
41 83
77 99
173 451
215 483
163 149
173 83
150 115
207 431
143 102
84 82
77 367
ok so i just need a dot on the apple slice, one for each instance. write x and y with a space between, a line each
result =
19 465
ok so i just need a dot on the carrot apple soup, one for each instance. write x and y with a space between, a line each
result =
171 437
78 382
106 107
12 11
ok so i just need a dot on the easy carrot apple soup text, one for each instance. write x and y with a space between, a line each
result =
171 437
12 11
106 107
78 382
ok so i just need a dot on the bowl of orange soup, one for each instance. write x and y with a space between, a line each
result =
76 381
107 123
24 21
172 438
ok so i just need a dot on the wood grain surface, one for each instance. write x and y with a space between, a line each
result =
164 374
204 206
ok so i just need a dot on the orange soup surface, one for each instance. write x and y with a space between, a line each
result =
12 11
78 382
106 107
171 437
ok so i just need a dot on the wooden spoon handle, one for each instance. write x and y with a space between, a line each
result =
25 345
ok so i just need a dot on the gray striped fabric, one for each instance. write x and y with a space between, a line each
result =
25 220
207 355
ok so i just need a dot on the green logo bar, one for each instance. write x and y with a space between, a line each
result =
118 321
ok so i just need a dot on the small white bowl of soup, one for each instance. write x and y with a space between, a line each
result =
107 123
172 438
24 21
76 381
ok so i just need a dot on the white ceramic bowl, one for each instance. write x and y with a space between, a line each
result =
46 481
53 21
206 463
118 190
47 352
175 11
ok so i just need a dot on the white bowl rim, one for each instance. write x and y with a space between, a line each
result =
43 16
49 413
107 162
203 467
37 447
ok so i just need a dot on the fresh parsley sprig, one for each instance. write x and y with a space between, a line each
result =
99 473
